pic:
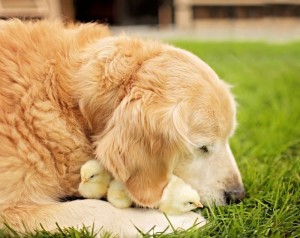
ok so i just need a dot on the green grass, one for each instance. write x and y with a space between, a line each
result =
266 79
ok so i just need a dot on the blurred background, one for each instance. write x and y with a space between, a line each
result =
272 20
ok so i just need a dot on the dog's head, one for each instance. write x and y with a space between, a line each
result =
160 110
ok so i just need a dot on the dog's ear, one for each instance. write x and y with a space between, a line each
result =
138 148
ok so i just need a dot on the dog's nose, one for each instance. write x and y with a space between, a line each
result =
234 195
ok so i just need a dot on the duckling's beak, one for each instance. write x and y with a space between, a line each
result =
84 180
198 204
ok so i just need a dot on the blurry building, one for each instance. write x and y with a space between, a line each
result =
190 13
179 13
118 12
114 12
30 8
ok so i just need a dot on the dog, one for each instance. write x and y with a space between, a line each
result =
144 109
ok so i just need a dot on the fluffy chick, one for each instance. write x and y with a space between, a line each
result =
94 180
117 195
179 197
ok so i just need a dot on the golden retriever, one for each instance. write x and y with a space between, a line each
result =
144 109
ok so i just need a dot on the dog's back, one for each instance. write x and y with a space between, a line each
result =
43 141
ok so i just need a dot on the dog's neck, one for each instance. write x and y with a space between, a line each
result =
78 92
107 74
97 90
95 100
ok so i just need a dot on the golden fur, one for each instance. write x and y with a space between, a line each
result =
145 106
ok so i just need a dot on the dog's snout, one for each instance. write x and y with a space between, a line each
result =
234 195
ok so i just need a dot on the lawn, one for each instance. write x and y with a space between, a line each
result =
266 79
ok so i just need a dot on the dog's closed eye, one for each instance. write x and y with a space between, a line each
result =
204 149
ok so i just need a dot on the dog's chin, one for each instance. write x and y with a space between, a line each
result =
213 199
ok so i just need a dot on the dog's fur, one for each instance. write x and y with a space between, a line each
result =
143 108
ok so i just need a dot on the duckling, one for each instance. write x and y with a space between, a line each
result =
117 195
179 197
94 180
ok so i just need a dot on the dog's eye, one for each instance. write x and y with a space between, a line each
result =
204 149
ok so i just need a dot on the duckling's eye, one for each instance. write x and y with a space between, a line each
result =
204 149
92 176
190 203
